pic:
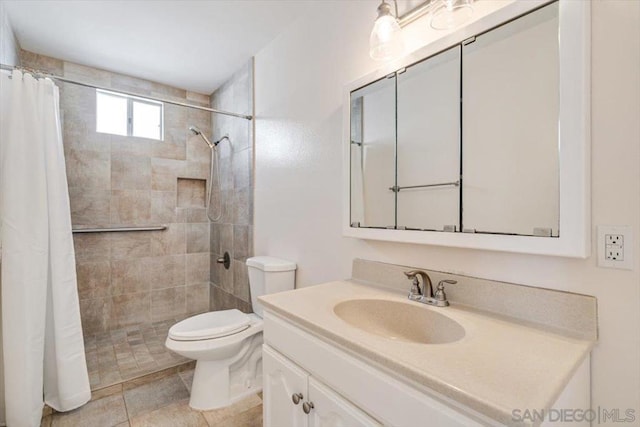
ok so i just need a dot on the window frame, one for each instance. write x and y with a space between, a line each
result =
130 117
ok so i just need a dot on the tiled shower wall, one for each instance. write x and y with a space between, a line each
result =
135 277
234 232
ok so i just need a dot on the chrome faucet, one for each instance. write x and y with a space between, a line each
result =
426 295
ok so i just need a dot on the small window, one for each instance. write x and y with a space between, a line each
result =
125 115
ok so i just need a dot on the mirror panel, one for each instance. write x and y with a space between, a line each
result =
558 182
373 154
428 103
510 80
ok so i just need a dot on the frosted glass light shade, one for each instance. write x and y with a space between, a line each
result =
386 40
451 14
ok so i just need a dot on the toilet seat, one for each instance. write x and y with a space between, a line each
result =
215 324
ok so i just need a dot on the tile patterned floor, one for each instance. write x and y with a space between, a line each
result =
157 400
127 353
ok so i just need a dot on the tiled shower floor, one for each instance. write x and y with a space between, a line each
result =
124 354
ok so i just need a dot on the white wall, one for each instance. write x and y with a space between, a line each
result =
299 81
8 45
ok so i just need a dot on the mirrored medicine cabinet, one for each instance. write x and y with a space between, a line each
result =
478 140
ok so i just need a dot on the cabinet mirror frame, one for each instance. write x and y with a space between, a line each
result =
574 137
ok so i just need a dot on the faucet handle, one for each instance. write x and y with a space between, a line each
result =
451 282
415 283
440 295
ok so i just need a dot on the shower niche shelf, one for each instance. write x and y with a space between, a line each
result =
191 192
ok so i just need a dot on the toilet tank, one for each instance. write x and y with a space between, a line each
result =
268 275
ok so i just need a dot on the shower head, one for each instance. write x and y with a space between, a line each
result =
198 132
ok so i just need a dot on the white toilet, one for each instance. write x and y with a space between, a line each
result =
227 344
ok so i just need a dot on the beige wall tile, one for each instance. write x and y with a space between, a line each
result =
130 207
94 279
125 245
78 103
128 276
176 117
171 241
131 309
173 147
165 173
192 215
168 303
197 298
88 169
87 74
199 98
197 270
242 212
164 271
163 206
240 280
92 247
241 165
130 172
235 197
40 62
197 238
90 207
226 204
225 277
96 315
79 135
146 87
226 239
126 145
198 169
197 149
241 242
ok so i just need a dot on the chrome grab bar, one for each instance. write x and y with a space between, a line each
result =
395 188
119 229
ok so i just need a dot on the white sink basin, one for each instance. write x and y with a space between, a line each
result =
399 321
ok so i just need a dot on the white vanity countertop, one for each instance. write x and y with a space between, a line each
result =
497 367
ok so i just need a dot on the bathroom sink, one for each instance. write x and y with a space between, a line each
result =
399 321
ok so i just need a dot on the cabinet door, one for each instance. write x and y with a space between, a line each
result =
332 410
281 380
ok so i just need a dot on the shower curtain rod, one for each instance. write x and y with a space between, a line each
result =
38 73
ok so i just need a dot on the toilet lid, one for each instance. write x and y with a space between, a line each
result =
210 325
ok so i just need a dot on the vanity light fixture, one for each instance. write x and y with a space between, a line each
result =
451 14
386 40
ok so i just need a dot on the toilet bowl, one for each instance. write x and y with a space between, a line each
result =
227 344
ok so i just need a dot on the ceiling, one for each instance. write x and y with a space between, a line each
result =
194 45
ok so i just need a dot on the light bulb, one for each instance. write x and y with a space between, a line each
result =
386 41
451 14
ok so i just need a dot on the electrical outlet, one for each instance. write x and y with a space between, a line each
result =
614 247
615 244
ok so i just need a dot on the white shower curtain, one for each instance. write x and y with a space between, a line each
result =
43 347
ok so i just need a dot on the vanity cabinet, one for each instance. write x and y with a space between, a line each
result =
284 381
347 390
344 390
